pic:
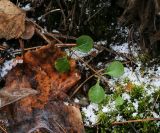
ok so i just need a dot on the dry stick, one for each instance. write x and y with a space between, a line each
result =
54 36
39 32
62 128
3 129
62 11
98 74
3 47
95 14
72 13
138 120
54 10
43 36
77 89
26 49
51 35
36 47
58 35
65 45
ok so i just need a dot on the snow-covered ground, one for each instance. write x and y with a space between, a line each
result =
148 77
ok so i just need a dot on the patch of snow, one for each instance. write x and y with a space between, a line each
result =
8 65
55 31
126 96
155 115
27 7
90 114
135 104
109 107
76 100
119 118
124 48
66 103
158 124
148 77
75 54
134 114
101 42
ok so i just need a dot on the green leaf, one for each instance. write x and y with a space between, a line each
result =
62 64
119 101
96 93
84 43
115 69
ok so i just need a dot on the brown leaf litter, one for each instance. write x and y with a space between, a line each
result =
45 111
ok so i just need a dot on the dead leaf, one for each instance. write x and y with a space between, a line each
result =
56 117
8 97
12 20
29 30
45 111
38 72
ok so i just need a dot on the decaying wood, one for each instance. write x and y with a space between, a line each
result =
144 17
40 112
12 20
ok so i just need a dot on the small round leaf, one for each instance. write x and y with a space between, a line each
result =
62 65
119 101
84 43
96 93
115 69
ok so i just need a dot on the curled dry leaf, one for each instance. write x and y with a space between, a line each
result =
29 30
12 20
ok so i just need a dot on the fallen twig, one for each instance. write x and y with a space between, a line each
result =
138 120
3 47
43 36
54 10
65 44
77 89
90 67
3 129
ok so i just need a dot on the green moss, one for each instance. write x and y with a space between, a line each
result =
137 92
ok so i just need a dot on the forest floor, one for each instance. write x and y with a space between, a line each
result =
132 101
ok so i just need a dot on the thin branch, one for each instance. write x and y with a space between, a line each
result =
133 121
54 10
3 129
65 45
43 36
77 89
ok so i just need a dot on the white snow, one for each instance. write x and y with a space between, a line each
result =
27 7
119 118
8 65
90 115
149 77
109 107
75 54
135 104
76 100
134 114
155 115
126 96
